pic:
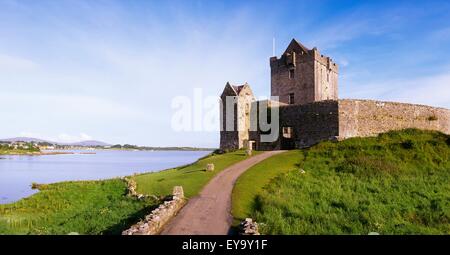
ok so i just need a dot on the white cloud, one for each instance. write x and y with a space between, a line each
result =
66 138
68 105
362 21
343 62
60 138
16 63
32 134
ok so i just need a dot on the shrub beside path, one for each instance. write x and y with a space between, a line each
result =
209 212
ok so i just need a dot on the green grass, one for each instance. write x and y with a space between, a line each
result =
4 151
85 207
102 207
251 182
396 183
192 177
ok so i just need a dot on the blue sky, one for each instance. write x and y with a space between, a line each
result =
108 70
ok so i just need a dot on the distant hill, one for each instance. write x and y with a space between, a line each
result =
26 139
90 143
36 140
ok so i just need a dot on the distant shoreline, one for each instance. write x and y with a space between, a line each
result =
35 153
162 149
140 149
91 151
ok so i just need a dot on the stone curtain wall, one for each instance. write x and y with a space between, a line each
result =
312 122
332 120
368 117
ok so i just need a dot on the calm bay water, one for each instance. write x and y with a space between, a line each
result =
18 172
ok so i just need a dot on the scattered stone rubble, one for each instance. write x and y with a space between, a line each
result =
132 186
249 227
154 222
302 171
210 167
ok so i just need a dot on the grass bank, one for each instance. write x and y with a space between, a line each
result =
103 207
19 151
85 207
396 183
192 177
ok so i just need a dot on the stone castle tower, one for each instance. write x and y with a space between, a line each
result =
235 116
303 76
309 110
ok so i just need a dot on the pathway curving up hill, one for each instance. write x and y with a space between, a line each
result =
209 212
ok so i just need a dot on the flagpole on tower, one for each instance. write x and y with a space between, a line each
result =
273 46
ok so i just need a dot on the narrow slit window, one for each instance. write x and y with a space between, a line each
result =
291 98
287 132
291 73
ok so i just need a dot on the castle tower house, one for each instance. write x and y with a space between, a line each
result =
235 116
303 76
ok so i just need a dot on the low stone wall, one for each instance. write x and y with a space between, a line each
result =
155 221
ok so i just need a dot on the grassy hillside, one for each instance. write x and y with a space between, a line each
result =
192 177
396 183
86 207
102 207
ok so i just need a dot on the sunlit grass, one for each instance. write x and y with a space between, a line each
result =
396 183
192 177
85 207
103 207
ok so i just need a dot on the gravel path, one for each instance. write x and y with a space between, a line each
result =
209 212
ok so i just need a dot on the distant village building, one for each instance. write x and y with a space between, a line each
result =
306 84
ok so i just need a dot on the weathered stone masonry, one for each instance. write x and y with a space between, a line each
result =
306 83
156 220
242 96
341 119
369 117
306 75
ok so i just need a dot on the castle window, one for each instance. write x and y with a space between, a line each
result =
291 73
291 98
328 77
287 132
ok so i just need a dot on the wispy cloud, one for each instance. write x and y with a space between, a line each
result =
363 21
16 63
440 35
68 105
430 90
60 138
111 68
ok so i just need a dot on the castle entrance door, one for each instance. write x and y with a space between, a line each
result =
287 139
